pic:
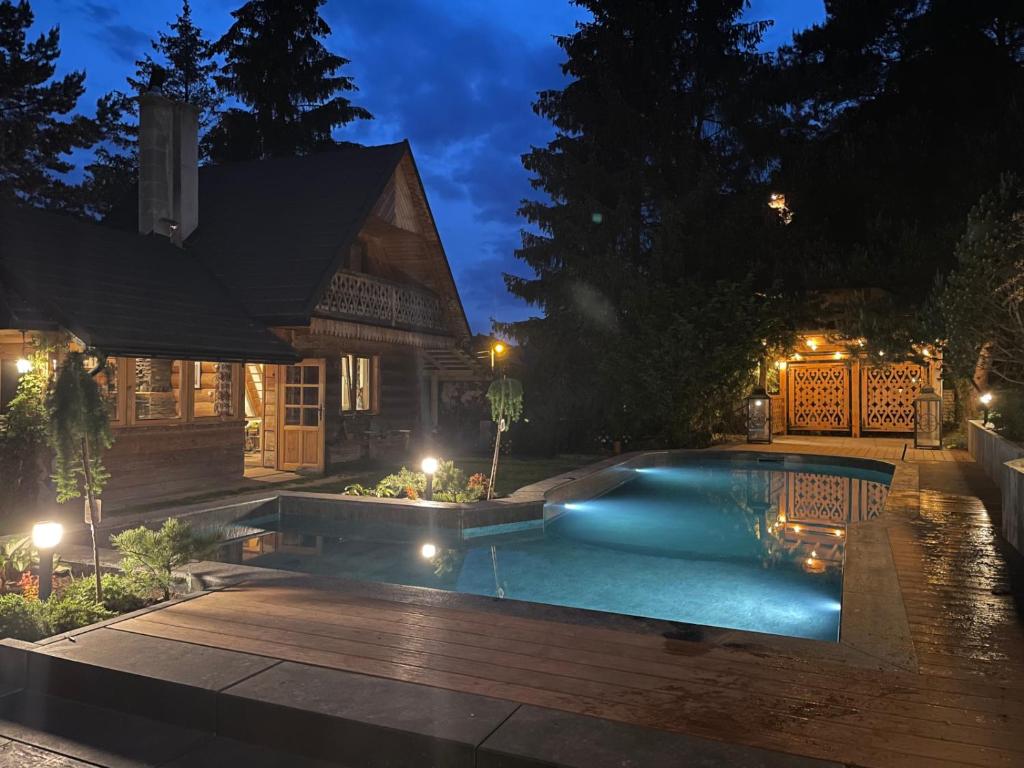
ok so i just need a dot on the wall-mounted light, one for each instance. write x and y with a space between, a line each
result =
23 364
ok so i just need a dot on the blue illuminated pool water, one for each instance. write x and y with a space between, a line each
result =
721 543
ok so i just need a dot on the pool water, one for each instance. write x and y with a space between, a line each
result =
723 543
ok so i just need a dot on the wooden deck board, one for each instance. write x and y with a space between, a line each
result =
964 704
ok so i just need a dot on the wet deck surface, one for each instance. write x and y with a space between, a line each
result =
963 704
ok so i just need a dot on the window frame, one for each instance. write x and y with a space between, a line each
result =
126 396
237 390
373 371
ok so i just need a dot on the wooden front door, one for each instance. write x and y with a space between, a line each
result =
302 408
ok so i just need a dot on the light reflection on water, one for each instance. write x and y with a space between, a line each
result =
745 548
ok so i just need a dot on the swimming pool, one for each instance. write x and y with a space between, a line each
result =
739 544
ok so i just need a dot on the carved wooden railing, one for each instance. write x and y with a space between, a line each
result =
366 299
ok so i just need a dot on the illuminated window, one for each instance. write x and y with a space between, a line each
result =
213 389
108 383
157 389
356 383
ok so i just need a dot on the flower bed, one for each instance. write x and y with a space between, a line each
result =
449 484
146 576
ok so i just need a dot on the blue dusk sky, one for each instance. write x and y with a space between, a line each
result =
455 77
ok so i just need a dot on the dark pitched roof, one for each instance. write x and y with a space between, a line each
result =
18 314
275 231
126 294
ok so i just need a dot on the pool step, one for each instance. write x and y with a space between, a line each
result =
250 710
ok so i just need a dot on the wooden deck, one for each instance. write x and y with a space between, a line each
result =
885 448
964 704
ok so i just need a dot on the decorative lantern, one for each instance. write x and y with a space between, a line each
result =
928 419
759 417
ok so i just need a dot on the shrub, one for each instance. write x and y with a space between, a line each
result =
404 483
17 555
357 489
1008 418
67 612
154 555
21 618
122 592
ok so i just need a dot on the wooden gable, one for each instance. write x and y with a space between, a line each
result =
398 243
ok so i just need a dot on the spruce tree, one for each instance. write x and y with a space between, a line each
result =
903 114
182 70
278 68
185 64
37 127
650 234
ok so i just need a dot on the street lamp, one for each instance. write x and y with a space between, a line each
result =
986 401
45 537
497 350
429 467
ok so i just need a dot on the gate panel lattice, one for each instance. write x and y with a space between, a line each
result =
887 394
819 396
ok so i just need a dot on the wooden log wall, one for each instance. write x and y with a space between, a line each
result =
151 462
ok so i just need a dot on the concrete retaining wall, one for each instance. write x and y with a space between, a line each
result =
1003 461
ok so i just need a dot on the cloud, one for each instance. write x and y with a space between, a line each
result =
126 42
459 81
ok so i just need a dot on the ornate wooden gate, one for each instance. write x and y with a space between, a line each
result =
818 395
887 395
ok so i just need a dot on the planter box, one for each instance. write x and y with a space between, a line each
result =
1003 461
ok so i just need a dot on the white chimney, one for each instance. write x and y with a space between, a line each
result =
168 167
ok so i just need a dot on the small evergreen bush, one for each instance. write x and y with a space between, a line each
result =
155 555
67 612
122 592
21 618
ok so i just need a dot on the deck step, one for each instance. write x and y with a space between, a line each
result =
110 695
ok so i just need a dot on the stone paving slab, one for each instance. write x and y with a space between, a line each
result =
360 720
543 738
91 734
14 754
163 679
228 753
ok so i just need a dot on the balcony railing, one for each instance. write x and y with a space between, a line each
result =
373 300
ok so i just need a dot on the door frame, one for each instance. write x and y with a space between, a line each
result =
321 363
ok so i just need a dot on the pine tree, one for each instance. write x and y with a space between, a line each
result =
184 68
37 129
277 66
644 250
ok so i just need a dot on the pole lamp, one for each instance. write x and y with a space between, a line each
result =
986 401
429 467
45 537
